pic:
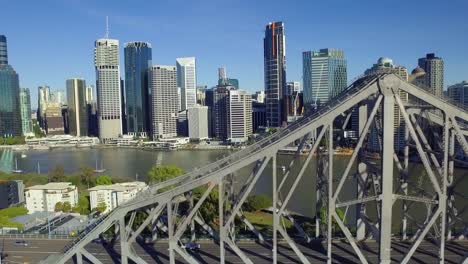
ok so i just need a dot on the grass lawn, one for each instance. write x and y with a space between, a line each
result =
263 219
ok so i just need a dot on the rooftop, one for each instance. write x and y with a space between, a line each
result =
120 187
52 186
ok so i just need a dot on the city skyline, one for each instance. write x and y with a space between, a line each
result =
245 57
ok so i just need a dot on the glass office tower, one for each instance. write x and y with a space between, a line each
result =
10 114
324 76
137 93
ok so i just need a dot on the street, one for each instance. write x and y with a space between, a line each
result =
39 249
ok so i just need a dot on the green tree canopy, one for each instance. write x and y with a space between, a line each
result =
82 207
163 173
209 208
86 174
57 174
12 140
66 207
101 207
58 207
37 130
257 202
103 180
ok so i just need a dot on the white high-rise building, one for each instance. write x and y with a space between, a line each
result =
187 81
239 110
115 194
89 93
459 93
43 198
106 61
77 114
385 65
198 122
164 101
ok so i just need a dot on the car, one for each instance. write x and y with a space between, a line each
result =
191 246
23 243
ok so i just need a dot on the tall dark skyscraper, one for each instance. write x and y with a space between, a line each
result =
274 46
10 112
137 94
77 112
3 51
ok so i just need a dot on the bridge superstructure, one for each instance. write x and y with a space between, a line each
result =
434 132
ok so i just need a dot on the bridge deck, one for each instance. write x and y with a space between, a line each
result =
209 252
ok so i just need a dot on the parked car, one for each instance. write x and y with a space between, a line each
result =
23 243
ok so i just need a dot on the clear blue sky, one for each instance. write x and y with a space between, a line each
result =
52 40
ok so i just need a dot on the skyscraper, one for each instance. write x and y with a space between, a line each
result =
239 110
89 94
385 65
293 87
77 110
224 80
434 78
222 73
187 81
3 50
137 96
201 94
43 98
197 117
10 115
274 54
325 76
219 111
106 60
163 84
58 97
459 93
25 103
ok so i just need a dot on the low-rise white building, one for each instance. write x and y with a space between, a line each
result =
115 194
42 198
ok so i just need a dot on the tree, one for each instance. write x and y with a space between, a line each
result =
103 180
82 207
37 130
257 202
86 173
209 208
101 207
57 174
163 173
58 207
324 217
66 208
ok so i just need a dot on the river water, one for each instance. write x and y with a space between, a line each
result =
134 163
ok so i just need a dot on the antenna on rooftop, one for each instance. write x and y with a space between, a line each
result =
107 27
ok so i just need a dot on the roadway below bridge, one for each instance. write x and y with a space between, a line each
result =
39 249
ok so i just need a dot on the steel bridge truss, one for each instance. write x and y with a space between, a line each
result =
381 184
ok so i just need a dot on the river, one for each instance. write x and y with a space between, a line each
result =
134 163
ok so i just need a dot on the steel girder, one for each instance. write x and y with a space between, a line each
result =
379 93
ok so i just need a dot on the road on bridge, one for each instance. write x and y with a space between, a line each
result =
39 249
